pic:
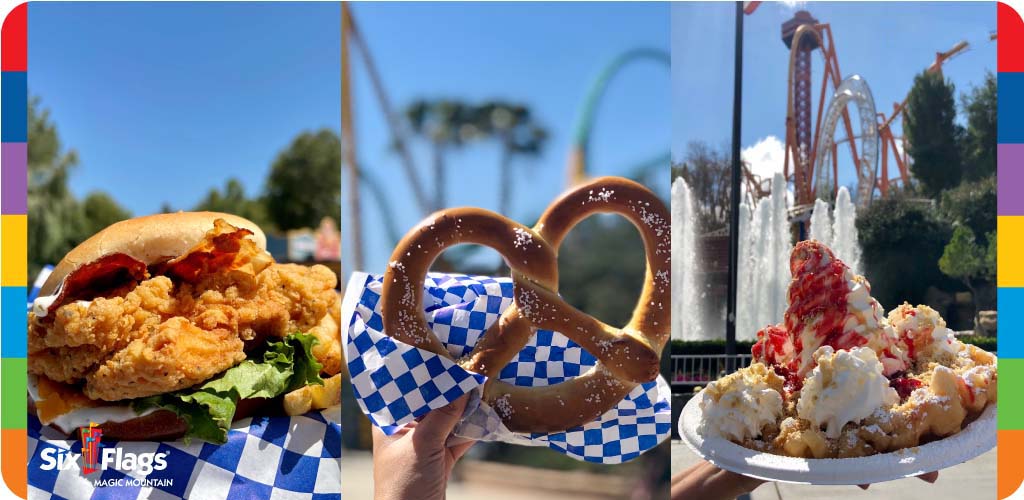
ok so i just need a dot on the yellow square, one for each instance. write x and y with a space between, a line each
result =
1010 259
15 250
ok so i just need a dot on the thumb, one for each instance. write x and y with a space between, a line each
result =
435 426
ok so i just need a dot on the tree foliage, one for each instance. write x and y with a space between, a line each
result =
933 135
902 240
57 221
304 181
971 204
234 201
708 172
980 106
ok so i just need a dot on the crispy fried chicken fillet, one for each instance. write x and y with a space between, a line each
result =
172 323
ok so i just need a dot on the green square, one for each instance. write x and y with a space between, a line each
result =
1011 407
13 393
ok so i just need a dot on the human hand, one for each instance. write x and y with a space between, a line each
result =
415 462
704 480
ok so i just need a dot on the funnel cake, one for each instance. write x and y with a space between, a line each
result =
852 382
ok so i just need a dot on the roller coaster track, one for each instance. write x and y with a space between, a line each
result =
799 142
576 167
852 89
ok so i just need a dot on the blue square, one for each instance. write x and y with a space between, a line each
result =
363 342
571 370
540 370
273 430
225 455
592 436
412 358
373 401
494 304
477 320
356 366
178 471
406 383
13 342
457 335
453 393
399 409
386 346
42 479
381 377
332 442
429 391
376 323
14 93
611 449
296 472
435 366
627 431
247 488
326 496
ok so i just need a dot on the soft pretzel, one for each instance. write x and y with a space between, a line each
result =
626 357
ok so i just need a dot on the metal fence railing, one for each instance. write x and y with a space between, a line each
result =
699 369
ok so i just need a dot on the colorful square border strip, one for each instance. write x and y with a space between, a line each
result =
13 258
1010 276
14 279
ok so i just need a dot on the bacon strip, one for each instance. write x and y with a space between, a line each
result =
101 275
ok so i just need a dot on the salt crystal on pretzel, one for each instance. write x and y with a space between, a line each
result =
626 357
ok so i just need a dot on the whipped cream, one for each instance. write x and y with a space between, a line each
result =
845 386
739 405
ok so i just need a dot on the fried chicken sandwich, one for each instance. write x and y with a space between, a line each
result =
175 325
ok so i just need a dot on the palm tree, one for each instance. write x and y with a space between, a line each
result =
445 124
513 126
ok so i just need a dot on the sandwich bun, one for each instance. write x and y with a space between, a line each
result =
148 239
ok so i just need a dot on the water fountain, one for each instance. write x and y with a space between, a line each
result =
763 274
688 322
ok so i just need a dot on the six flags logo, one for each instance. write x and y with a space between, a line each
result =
96 458
91 437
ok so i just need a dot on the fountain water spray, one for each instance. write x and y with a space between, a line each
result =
765 247
688 322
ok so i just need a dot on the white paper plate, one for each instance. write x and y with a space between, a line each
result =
977 438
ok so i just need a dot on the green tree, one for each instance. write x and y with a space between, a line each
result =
514 127
980 106
971 204
304 181
100 211
708 171
234 201
446 125
55 223
967 260
933 135
902 240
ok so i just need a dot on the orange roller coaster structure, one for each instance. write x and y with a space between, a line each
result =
803 34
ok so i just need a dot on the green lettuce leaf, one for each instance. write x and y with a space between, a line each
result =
287 364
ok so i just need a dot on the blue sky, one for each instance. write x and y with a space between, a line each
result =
163 101
543 55
887 43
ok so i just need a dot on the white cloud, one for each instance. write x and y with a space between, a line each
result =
794 4
765 157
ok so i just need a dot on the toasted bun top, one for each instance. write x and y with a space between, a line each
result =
148 239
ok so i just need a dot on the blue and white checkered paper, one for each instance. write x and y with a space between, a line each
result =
267 457
395 383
